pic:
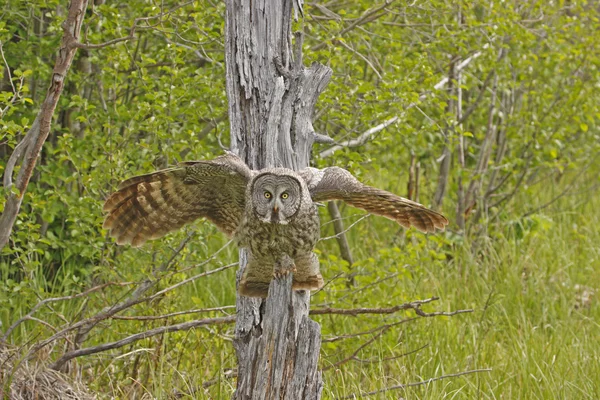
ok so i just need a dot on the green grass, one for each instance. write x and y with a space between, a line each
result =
526 283
525 286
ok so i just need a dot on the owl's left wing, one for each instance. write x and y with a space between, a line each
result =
335 183
149 206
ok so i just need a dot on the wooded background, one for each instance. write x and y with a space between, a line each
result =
486 111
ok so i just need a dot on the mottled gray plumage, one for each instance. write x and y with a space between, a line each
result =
270 212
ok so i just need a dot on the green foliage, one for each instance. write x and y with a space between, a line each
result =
524 262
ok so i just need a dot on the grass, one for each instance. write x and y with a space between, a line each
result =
530 283
534 321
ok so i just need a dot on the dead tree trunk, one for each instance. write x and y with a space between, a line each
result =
271 102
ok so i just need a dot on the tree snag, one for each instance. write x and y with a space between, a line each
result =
271 101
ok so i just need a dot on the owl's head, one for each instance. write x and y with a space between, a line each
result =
276 198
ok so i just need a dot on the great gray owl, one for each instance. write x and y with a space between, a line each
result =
271 212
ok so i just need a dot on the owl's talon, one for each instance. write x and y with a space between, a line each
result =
284 267
283 272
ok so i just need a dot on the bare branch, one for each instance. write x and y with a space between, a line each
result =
101 45
139 336
425 382
359 141
365 59
64 298
413 305
174 314
7 68
188 280
565 191
362 346
368 16
347 229
338 226
370 331
86 325
377 360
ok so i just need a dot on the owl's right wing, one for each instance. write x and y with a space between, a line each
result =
149 206
335 183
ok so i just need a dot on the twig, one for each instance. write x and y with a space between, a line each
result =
338 226
366 17
426 382
345 230
359 141
87 46
362 346
376 360
139 336
7 68
370 331
84 326
188 280
414 305
55 299
564 192
174 314
364 137
365 59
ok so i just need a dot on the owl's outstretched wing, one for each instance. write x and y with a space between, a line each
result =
149 206
335 183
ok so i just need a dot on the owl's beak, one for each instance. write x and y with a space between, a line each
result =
275 214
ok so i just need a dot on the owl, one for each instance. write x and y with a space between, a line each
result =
271 212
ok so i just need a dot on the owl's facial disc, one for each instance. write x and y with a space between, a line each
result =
276 198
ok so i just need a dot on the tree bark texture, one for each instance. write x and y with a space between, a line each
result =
31 145
271 101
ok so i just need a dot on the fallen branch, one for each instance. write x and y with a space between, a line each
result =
57 365
84 326
56 299
174 314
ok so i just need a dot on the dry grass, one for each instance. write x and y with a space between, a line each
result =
24 380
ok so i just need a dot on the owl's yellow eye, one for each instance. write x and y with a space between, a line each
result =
284 195
267 195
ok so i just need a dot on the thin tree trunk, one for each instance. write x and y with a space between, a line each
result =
271 102
340 237
446 158
30 147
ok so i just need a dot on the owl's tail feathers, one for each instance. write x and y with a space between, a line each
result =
260 288
258 276
143 208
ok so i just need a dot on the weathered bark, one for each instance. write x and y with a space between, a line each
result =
31 145
340 237
271 102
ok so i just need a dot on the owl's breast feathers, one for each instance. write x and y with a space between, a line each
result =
269 240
